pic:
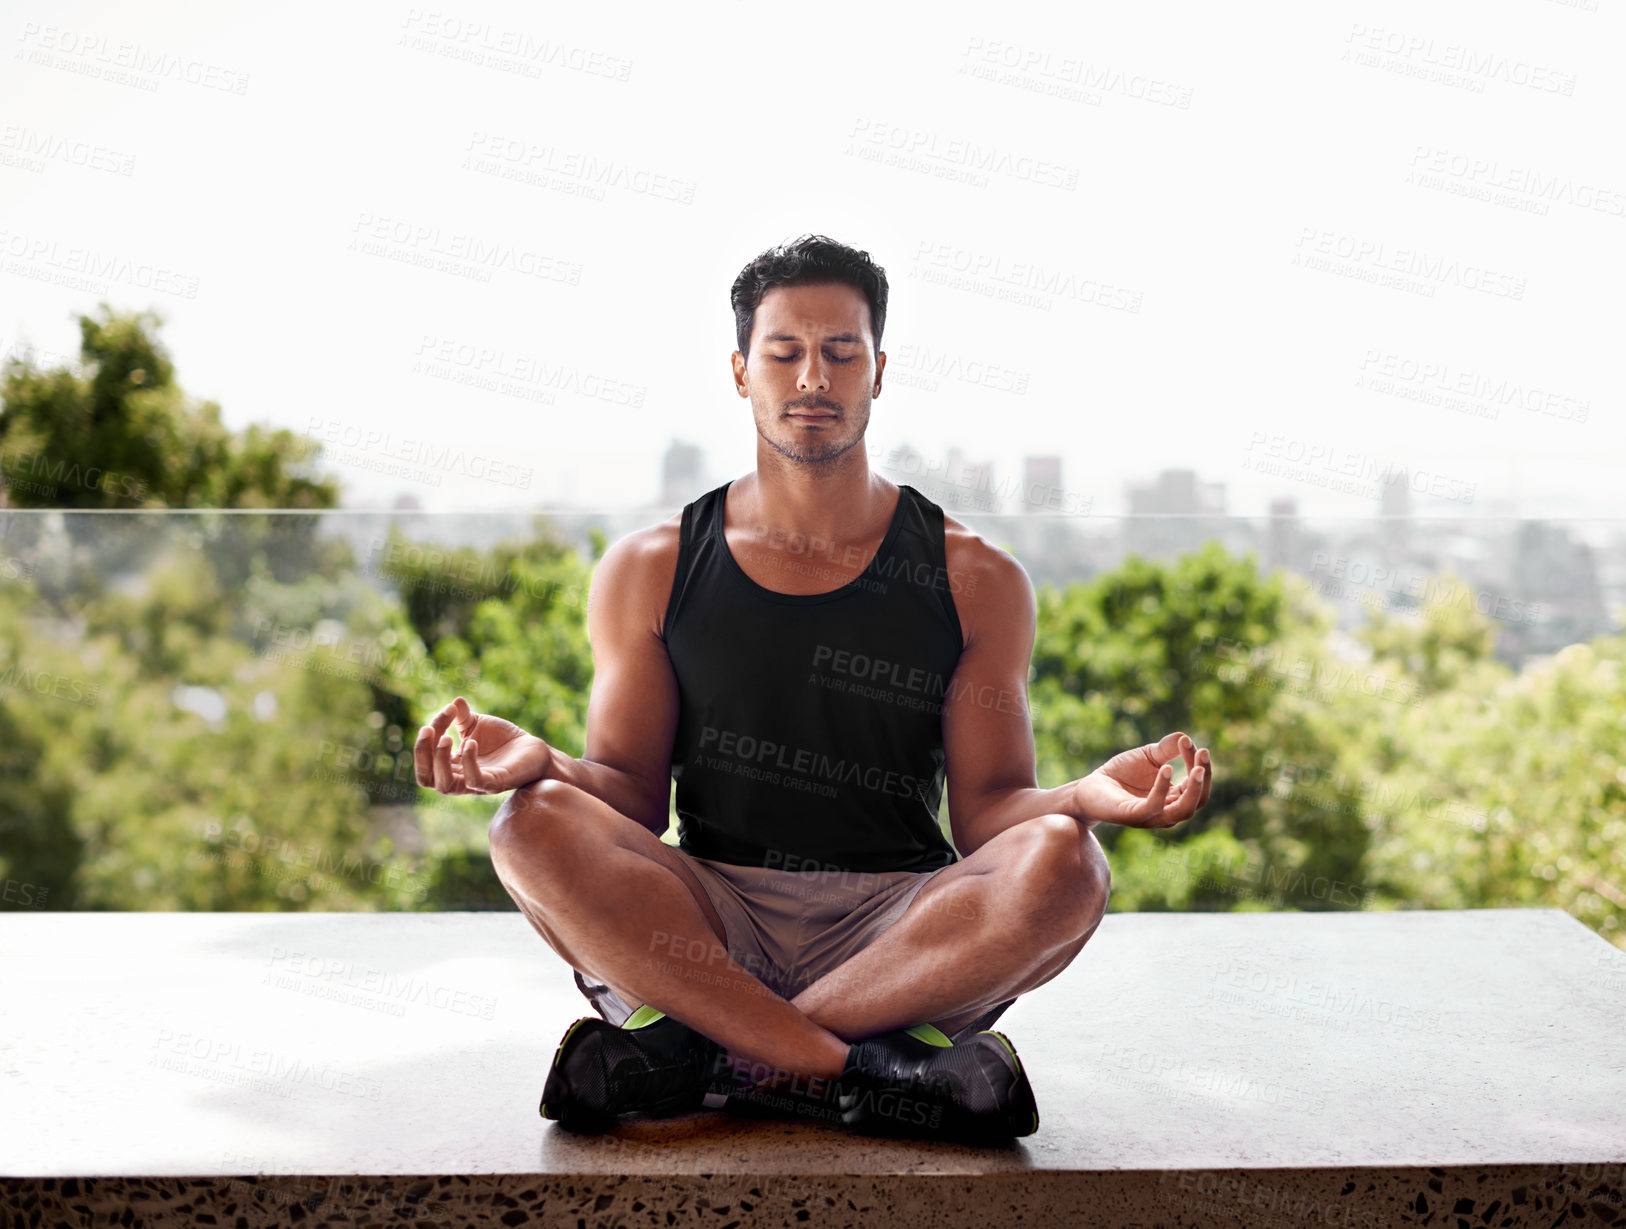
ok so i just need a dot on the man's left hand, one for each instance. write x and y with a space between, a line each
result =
1133 787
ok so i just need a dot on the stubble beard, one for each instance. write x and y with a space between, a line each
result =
819 449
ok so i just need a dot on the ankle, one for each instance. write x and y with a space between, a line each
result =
825 1065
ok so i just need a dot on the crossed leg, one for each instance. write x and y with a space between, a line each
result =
614 901
1003 920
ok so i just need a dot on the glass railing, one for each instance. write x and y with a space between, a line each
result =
216 710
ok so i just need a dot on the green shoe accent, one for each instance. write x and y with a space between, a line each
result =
1004 1041
644 1015
930 1034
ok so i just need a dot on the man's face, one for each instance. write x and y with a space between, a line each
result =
813 370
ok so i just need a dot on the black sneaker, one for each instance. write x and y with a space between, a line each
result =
782 1096
654 1066
915 1082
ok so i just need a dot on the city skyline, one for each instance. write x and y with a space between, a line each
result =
1542 583
1291 247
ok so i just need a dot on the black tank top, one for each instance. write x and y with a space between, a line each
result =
810 725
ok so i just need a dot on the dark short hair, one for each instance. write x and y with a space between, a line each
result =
809 261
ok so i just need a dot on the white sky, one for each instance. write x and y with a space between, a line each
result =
1212 146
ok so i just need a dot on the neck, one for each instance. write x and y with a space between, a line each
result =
841 501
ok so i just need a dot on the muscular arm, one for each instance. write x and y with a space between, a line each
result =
633 709
631 714
987 726
988 729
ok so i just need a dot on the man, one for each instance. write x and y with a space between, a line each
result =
807 651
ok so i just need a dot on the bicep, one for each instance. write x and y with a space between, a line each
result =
987 726
632 710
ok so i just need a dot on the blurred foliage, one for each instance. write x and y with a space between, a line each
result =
189 740
1207 645
217 711
514 617
118 432
184 768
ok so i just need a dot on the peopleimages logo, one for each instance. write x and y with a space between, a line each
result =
765 755
45 475
1437 382
1332 466
1435 592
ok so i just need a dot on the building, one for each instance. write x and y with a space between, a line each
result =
683 474
1041 485
1174 513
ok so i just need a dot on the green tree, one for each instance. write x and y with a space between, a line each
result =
177 763
1510 790
1209 645
121 433
126 614
506 628
514 617
39 849
1449 639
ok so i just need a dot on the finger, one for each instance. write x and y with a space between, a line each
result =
1185 752
1164 749
1204 762
463 715
1185 806
423 756
440 723
1200 778
1189 794
1195 784
1154 755
471 765
1158 796
445 779
443 722
424 768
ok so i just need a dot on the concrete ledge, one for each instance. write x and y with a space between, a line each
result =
1339 1069
1511 1196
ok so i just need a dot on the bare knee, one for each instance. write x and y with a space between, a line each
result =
528 816
1064 873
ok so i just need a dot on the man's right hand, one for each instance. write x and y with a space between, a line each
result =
495 755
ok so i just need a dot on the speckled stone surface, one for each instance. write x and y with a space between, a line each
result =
1124 1199
1428 1068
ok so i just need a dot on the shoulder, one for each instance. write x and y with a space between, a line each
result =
991 588
634 576
978 563
653 545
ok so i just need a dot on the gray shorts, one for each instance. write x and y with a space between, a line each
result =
790 928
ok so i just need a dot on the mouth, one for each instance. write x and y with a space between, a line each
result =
811 414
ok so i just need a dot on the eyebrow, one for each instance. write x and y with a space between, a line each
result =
853 337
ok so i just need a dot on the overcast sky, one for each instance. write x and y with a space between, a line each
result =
1290 246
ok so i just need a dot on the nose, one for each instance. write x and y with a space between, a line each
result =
812 376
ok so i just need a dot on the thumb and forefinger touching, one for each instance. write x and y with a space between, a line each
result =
432 752
1173 804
